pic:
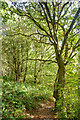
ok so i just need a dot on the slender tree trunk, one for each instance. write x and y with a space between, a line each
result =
26 67
22 58
35 74
35 69
18 62
59 82
15 68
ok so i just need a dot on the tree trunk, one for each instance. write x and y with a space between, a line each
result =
26 68
35 74
35 69
59 82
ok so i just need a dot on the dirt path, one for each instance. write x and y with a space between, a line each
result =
44 111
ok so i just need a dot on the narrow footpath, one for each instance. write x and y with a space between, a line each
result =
45 111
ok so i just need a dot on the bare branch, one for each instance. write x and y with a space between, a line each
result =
47 21
77 24
23 34
70 28
45 43
73 21
48 11
71 58
61 27
73 49
53 12
30 17
66 10
41 60
38 33
73 35
62 10
18 13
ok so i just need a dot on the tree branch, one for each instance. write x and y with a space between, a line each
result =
27 35
66 10
41 60
73 21
62 10
23 34
30 17
47 21
71 58
61 27
74 47
53 13
48 12
73 35
70 28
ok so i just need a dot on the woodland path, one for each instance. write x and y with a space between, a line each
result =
43 112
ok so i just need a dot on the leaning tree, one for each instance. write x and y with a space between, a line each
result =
58 21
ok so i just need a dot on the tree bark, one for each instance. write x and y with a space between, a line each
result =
59 82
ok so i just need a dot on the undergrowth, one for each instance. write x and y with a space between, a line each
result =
19 97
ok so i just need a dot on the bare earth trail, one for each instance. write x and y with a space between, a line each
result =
44 111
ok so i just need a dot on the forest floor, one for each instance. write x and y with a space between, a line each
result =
44 111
